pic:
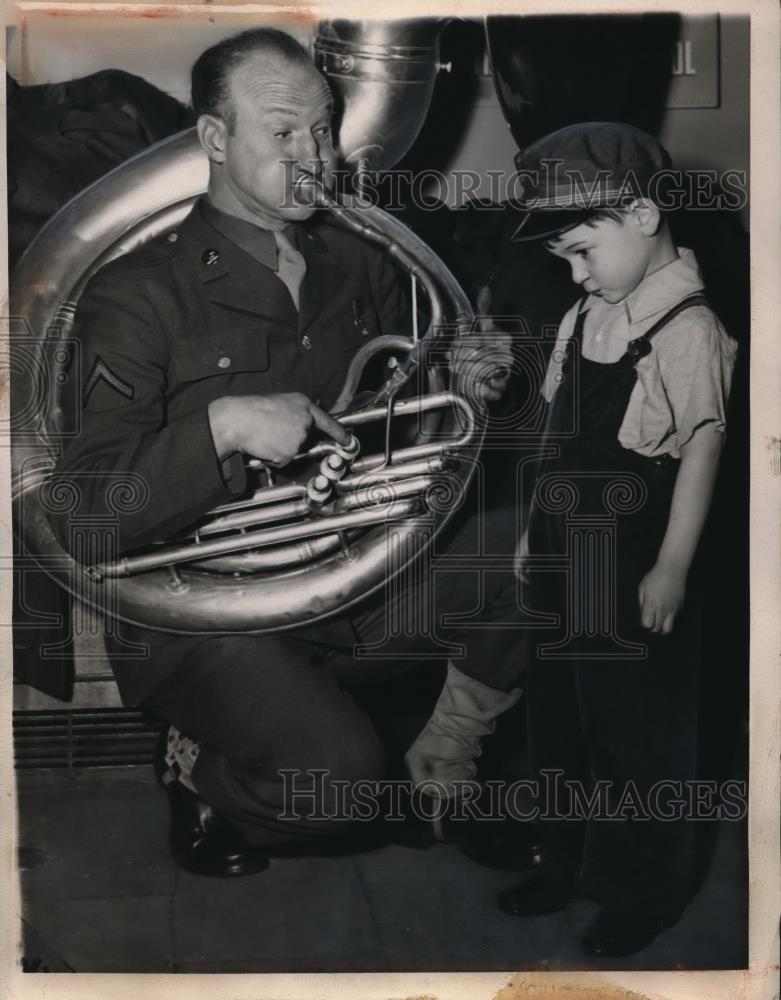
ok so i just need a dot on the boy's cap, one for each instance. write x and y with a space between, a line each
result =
570 173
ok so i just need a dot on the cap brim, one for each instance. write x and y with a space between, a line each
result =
544 224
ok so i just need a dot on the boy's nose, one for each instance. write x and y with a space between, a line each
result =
579 273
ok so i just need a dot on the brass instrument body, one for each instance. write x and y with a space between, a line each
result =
278 571
101 224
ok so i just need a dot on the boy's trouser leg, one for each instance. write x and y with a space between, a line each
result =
628 725
641 726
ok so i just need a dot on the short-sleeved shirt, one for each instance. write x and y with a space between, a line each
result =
684 382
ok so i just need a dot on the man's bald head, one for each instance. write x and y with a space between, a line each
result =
266 48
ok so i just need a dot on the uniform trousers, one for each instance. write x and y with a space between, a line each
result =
269 710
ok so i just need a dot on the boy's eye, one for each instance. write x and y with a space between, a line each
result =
583 253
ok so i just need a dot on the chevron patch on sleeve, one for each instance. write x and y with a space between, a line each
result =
102 372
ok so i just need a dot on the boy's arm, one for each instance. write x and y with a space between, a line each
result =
662 590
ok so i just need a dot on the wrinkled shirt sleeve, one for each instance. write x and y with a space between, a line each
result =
682 385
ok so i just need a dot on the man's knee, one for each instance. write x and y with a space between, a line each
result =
327 785
355 758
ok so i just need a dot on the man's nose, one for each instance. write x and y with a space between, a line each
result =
309 148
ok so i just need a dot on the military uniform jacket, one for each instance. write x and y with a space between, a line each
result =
190 318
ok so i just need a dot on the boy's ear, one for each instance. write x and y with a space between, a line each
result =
647 214
212 132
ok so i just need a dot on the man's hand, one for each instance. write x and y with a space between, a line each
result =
661 593
481 364
482 361
271 428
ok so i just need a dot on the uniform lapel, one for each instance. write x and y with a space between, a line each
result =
231 278
320 294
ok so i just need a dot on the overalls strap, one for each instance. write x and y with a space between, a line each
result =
641 346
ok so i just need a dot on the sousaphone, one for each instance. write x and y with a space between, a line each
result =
295 551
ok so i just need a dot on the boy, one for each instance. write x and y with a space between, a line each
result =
637 388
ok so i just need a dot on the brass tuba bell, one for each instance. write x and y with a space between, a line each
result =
294 552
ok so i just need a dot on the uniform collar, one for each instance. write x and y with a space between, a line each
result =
253 240
225 266
665 287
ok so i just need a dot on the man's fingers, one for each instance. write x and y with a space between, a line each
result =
328 425
667 625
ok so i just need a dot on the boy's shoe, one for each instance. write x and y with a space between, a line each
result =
624 930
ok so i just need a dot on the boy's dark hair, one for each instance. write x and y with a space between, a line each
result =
615 213
210 78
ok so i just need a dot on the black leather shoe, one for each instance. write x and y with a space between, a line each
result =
543 892
503 845
620 931
202 841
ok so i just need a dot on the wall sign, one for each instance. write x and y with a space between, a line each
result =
695 69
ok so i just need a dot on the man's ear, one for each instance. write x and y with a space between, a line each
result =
212 133
647 215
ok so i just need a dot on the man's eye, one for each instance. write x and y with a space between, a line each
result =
283 134
583 253
324 130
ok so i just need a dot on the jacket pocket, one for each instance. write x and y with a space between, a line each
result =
221 354
356 325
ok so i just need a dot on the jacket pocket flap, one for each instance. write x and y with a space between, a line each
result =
222 354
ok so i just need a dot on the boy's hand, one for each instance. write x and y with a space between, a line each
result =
661 594
520 563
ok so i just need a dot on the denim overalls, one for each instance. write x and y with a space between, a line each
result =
599 710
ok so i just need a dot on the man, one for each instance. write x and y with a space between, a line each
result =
231 338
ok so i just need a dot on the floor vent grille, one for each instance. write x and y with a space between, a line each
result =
78 738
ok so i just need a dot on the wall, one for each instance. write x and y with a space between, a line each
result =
50 48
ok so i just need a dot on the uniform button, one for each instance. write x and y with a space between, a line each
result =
210 257
224 362
172 237
306 343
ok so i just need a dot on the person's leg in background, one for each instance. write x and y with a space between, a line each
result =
465 610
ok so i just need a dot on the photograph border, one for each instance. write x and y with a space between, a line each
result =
761 980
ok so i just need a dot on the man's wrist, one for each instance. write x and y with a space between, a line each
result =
221 427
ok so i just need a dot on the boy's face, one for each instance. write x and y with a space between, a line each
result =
608 258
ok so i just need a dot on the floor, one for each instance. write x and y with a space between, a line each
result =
101 894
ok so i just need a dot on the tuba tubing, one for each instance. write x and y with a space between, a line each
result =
359 544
